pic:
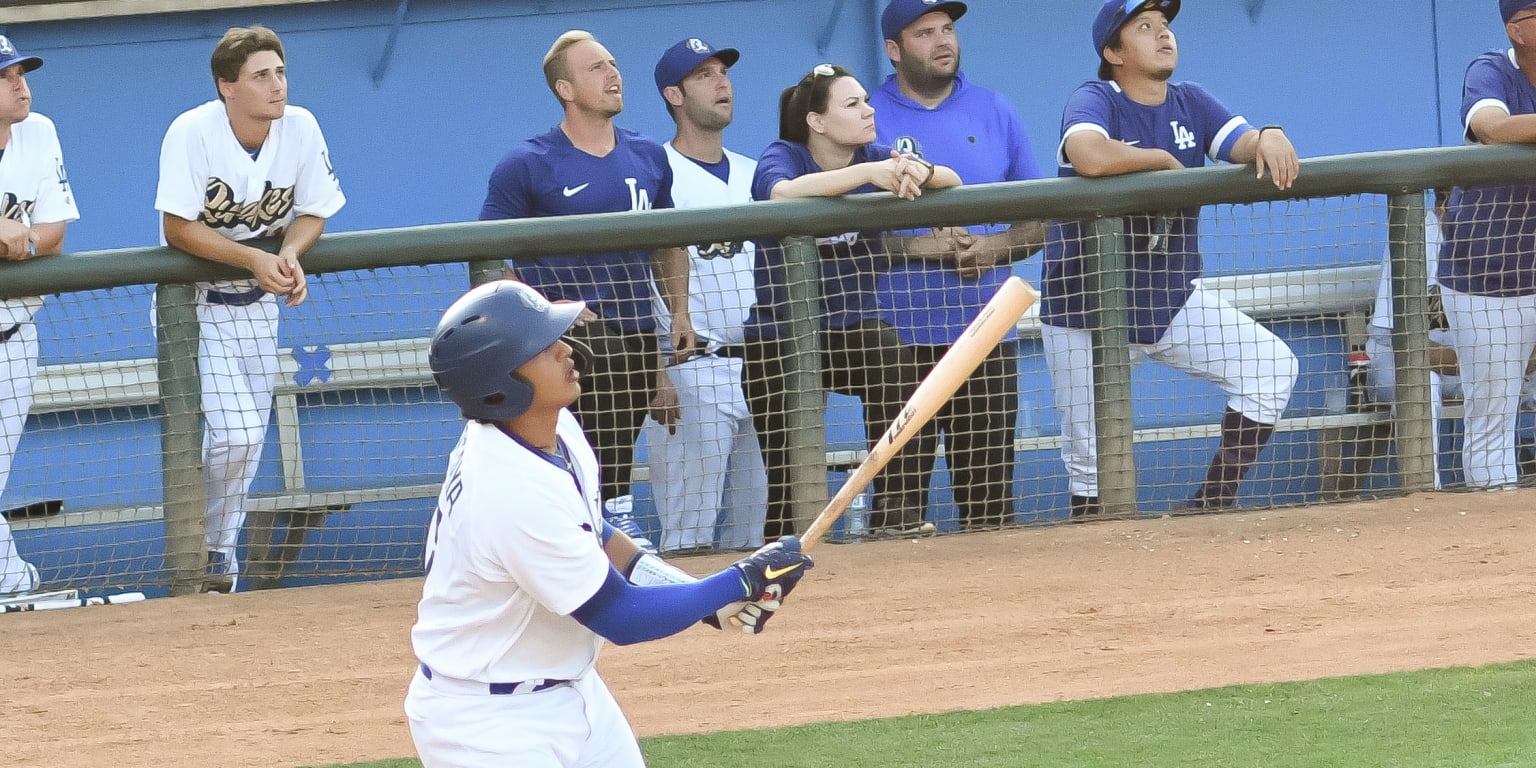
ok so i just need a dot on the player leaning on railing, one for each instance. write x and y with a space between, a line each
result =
1133 119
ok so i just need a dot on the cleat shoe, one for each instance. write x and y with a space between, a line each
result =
619 512
220 576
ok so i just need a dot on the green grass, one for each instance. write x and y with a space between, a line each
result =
1451 718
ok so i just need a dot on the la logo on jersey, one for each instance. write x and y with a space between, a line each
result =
908 145
1183 138
639 199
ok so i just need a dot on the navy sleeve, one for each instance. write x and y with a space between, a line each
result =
776 164
1484 86
625 614
508 194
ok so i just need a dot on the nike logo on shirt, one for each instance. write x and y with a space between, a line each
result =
1127 143
568 191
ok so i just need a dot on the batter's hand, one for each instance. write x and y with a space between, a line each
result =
1275 154
771 573
17 239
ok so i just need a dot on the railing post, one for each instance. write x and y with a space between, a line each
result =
181 436
482 272
805 400
1410 341
1105 268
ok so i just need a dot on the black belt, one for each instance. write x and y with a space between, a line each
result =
6 334
503 689
236 299
702 350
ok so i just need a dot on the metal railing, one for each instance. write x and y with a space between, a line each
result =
1401 175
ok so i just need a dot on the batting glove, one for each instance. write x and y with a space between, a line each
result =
769 575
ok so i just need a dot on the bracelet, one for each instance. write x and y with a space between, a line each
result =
1270 128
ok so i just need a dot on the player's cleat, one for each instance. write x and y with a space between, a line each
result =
916 531
619 512
220 576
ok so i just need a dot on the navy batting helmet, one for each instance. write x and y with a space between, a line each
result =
485 337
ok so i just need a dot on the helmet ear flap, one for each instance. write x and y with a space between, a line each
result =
518 393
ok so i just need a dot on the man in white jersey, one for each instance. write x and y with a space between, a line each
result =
244 166
704 456
524 575
35 205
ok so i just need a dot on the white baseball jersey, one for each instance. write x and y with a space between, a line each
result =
720 282
514 547
206 176
34 189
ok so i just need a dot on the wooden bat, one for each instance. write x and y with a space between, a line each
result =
984 333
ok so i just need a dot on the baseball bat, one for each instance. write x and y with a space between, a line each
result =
984 333
54 605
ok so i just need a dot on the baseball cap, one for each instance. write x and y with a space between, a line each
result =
900 13
9 55
685 57
1115 13
1511 7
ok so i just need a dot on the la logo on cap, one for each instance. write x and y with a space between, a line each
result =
698 46
6 49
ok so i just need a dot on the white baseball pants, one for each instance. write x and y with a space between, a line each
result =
18 368
1494 337
712 465
237 365
1383 383
572 726
1208 339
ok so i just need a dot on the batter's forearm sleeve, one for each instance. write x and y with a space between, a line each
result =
625 614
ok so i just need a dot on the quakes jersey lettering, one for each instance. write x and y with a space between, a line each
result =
726 250
221 211
16 209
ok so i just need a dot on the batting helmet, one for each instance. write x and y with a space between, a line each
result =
485 337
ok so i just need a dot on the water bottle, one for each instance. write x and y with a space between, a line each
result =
858 516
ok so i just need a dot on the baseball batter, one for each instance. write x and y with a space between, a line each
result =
247 165
1133 119
930 108
587 164
524 578
35 206
1487 269
703 453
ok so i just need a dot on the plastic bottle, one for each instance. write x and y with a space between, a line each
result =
858 516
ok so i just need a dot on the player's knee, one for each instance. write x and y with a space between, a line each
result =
237 438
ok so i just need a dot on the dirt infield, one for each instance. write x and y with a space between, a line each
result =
315 676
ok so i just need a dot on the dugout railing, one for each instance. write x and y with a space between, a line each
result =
171 383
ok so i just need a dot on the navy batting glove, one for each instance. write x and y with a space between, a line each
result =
770 573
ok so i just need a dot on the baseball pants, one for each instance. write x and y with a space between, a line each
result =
617 381
867 361
573 726
978 425
237 366
709 465
18 368
1208 339
1494 337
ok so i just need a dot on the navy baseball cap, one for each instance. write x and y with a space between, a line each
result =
901 13
1511 7
1115 13
9 55
685 57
